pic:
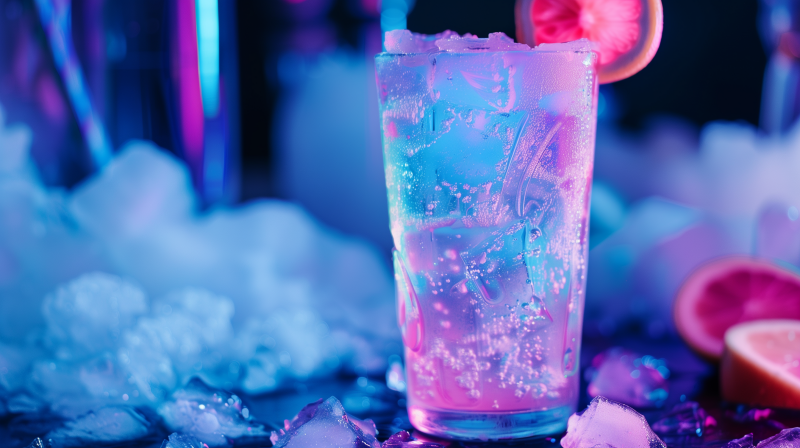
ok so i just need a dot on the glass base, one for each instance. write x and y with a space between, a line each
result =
486 426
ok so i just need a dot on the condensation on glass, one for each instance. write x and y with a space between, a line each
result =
488 158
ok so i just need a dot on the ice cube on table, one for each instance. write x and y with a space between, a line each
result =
88 315
606 423
744 442
684 418
111 424
788 438
625 376
403 439
178 440
323 423
213 416
367 426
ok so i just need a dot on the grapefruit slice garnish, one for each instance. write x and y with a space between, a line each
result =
729 291
761 364
627 32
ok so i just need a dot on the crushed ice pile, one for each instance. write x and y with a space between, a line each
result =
325 423
115 295
404 440
625 376
405 42
606 423
788 438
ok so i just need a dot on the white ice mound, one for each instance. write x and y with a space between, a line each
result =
405 42
141 189
608 424
268 260
87 315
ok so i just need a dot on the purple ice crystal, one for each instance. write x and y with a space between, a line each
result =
323 423
744 442
625 376
684 418
788 438
403 439
606 423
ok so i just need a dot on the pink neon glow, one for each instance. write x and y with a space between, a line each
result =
371 6
391 130
187 80
50 98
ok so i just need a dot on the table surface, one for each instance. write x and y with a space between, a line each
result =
691 378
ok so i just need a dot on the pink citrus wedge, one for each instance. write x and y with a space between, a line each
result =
761 364
729 291
627 32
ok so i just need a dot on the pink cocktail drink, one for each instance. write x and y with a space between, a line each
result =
488 151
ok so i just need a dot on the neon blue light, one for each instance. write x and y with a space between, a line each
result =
56 21
207 12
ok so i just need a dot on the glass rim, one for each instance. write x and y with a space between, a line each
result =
462 53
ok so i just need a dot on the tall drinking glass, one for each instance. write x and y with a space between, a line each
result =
488 158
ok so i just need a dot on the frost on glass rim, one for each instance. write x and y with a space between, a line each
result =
406 42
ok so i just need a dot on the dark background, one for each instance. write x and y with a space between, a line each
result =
709 66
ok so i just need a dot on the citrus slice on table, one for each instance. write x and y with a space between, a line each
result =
729 291
761 364
627 32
